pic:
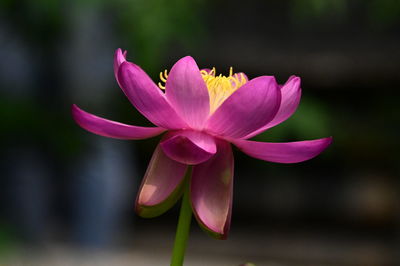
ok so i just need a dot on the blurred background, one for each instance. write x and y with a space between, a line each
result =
67 196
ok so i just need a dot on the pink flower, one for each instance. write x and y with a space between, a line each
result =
202 114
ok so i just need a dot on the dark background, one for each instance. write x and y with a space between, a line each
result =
67 196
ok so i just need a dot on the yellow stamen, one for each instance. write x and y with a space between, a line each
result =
163 77
219 87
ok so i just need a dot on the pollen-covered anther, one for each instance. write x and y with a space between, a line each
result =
221 87
163 77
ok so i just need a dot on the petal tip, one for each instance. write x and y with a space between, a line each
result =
119 52
188 57
217 233
329 141
75 111
187 60
297 80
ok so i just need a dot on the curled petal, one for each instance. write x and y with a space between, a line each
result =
211 191
119 58
161 186
188 147
291 94
289 152
187 92
247 109
147 97
112 129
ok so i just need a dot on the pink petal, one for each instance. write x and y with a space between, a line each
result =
119 58
289 152
187 92
161 185
211 191
147 97
188 146
291 94
108 128
247 109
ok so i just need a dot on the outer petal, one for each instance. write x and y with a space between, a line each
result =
119 58
161 185
247 109
189 147
289 152
187 92
147 97
291 94
211 191
108 128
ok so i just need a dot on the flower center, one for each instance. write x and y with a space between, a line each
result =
219 87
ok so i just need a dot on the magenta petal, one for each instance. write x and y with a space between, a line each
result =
211 191
189 147
147 97
289 152
187 92
119 58
291 94
247 109
161 185
112 129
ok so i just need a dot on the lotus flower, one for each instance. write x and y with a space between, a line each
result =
202 114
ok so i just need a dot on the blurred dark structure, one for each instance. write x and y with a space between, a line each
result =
61 185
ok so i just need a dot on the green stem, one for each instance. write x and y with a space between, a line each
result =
183 229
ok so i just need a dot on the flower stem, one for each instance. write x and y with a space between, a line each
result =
183 228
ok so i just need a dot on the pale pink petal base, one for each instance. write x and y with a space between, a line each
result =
112 129
289 152
188 147
211 191
161 184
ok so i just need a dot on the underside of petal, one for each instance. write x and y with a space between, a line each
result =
211 191
112 129
287 152
291 94
247 109
188 147
147 97
161 186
